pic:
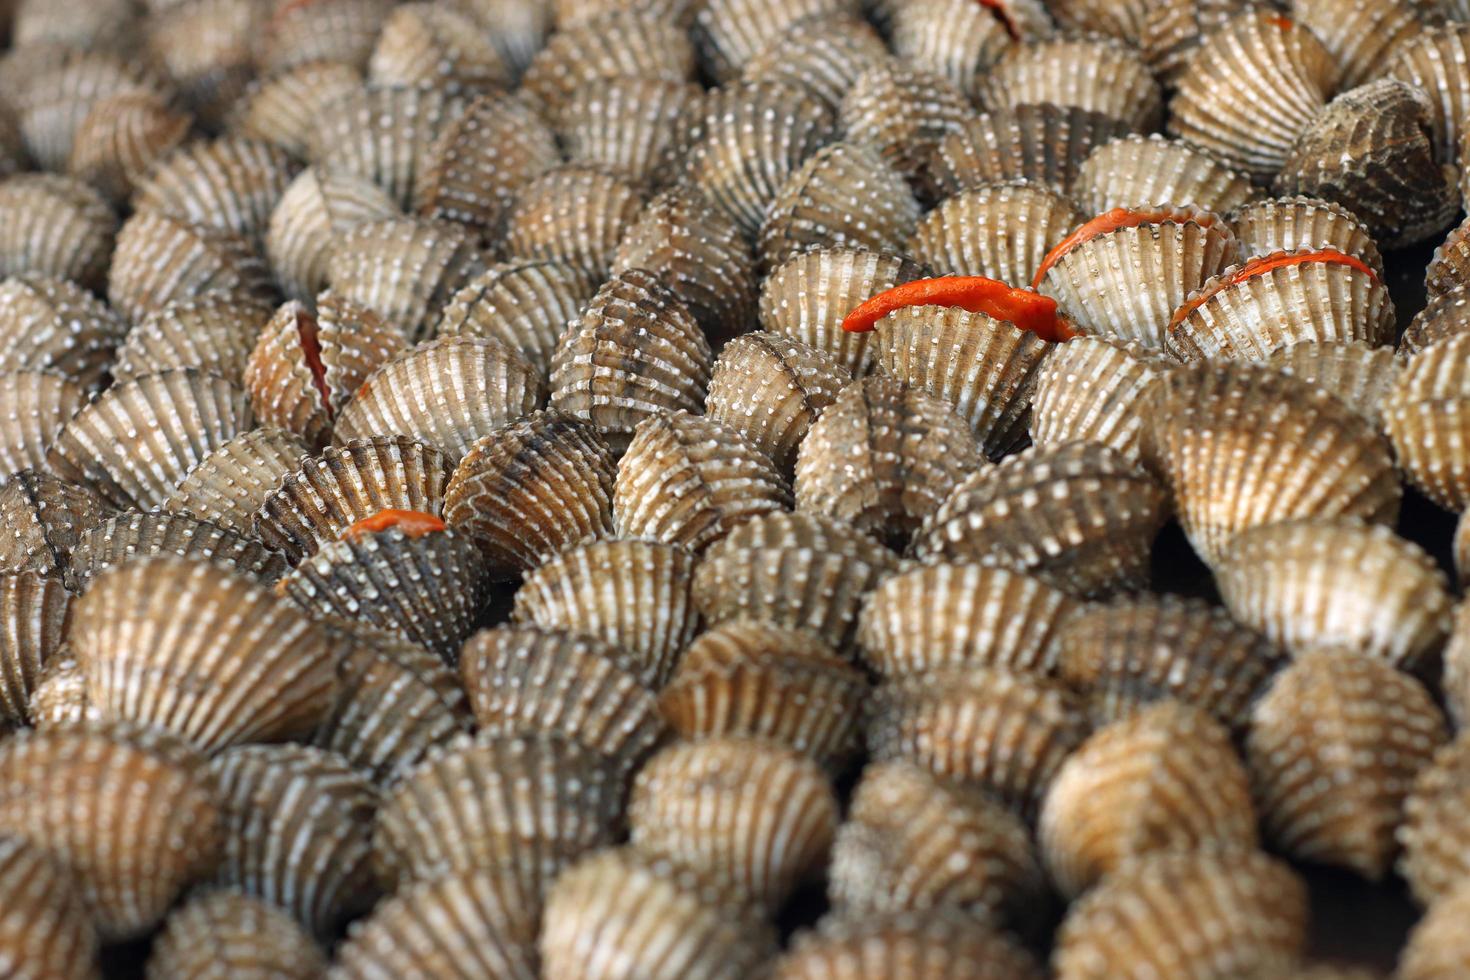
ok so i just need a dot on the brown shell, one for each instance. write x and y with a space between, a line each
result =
1093 73
570 13
322 496
34 406
214 333
55 226
903 112
1363 37
749 679
51 98
230 184
130 535
482 160
1360 376
1455 681
160 260
309 220
1284 224
41 519
56 326
185 414
1079 516
1431 60
770 389
985 368
425 589
531 804
636 351
618 915
912 842
1173 29
1241 445
699 252
945 616
1095 389
1138 651
132 814
1002 732
936 944
689 480
1000 231
1138 171
635 595
1449 267
344 31
730 33
121 138
617 44
754 136
46 929
1444 316
107 24
638 128
207 48
1433 830
1372 151
807 298
1436 948
286 107
1201 914
957 39
531 489
824 62
1165 779
1333 750
1045 144
228 486
433 44
526 680
34 616
575 215
298 825
526 304
1427 414
1253 86
235 933
447 393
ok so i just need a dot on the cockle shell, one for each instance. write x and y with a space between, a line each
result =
57 326
1092 73
616 44
1449 268
34 616
230 184
132 814
912 842
1445 316
237 934
1079 516
1138 171
1363 38
639 128
207 49
285 107
1286 224
1455 681
52 98
34 406
180 416
1333 750
1000 231
731 32
1173 30
798 571
1360 376
688 480
1137 651
46 930
130 535
1432 60
942 616
433 44
1436 948
825 62
310 218
386 134
618 915
341 31
1045 144
160 260
575 215
525 304
752 814
55 226
1241 446
1433 830
41 519
214 334
446 393
1340 585
297 832
959 40
1427 415
570 13
1202 914
903 112
107 24
1095 389
121 138
936 944
1165 779
808 297
634 595
228 486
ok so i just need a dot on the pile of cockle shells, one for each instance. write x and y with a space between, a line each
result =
457 523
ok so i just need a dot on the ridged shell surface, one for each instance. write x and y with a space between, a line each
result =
525 304
825 63
285 107
903 112
1042 143
46 932
1428 418
1433 830
1092 73
214 333
56 326
228 486
430 44
936 944
231 184
572 214
1285 224
959 40
55 226
233 934
1095 389
1436 948
160 260
324 30
621 43
34 406
637 127
1138 171
1360 376
129 535
313 212
34 617
41 519
1000 231
731 32
1433 60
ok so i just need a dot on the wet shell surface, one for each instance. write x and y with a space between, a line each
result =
1287 224
1089 73
1000 231
525 304
1095 389
228 486
1138 171
637 127
231 184
131 534
1333 750
160 260
1427 419
56 326
1433 830
1444 316
825 62
42 518
34 617
232 932
55 226
617 44
34 406
47 930
904 112
308 220
1363 37
937 943
214 334
575 215
1431 61
1042 143
1358 375
1079 516
958 40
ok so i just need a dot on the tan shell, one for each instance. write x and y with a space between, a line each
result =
1431 60
446 393
56 326
1002 732
214 334
1095 389
297 832
525 304
1126 282
807 298
230 184
1427 414
1360 376
1436 948
322 30
1284 224
1363 37
1079 516
34 616
121 138
160 260
575 215
936 944
34 406
286 107
844 195
131 814
903 112
185 414
730 33
797 571
634 595
824 62
1449 268
1202 914
1455 681
458 927
1173 30
618 915
636 351
950 616
46 929
207 48
617 44
1138 651
770 389
1241 446
1138 171
1093 73
234 933
754 136
638 128
1341 585
60 697
746 812
1252 87
529 803
749 679
41 519
959 40
425 589
1045 144
55 226
228 486
53 97
570 13
431 44
1433 829
525 680
1165 779
130 535
1444 316
103 23
309 220
1000 231
481 161
912 842
1333 750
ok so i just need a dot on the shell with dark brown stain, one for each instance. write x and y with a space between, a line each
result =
56 326
1432 60
572 214
1094 73
41 519
130 535
1364 37
904 112
1000 231
1042 143
1095 389
1443 317
207 47
525 304
121 138
311 216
